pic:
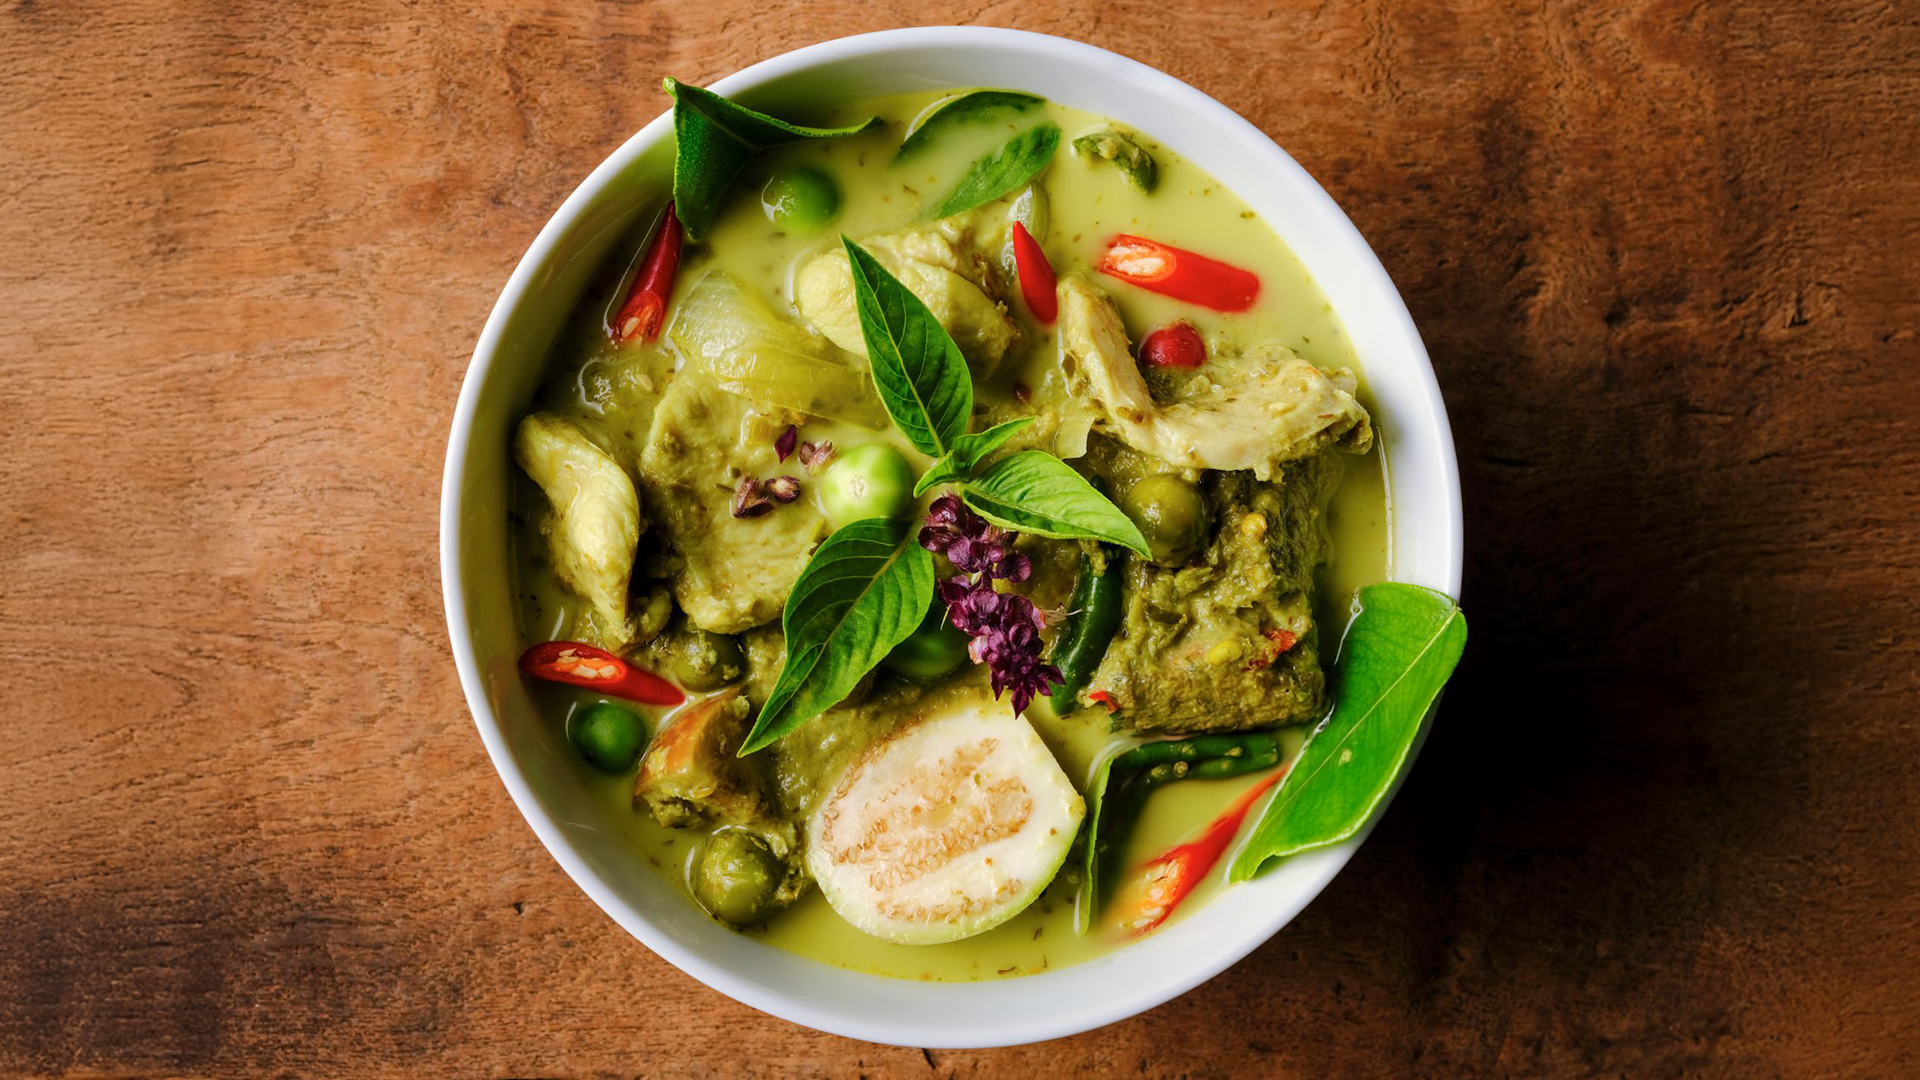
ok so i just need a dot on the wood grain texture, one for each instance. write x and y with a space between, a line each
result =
1662 252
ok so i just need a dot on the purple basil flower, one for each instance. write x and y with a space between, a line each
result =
785 443
1005 627
784 489
948 512
1013 567
970 544
816 456
748 502
972 605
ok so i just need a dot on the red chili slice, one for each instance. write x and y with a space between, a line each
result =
1157 888
645 311
575 664
1279 642
1175 345
1036 276
1181 274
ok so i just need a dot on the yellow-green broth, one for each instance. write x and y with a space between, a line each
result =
1089 202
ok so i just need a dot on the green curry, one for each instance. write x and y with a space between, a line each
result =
676 492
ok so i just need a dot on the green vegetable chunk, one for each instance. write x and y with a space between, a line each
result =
714 139
976 109
1397 655
1171 514
1112 145
608 736
738 879
871 480
1018 160
936 649
1093 616
803 200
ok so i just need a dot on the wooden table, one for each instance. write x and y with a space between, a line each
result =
1663 253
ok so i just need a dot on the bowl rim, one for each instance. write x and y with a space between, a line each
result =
1071 1018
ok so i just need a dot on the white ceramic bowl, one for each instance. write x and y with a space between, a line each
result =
529 752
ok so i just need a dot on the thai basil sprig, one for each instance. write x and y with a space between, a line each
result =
925 386
1005 627
869 584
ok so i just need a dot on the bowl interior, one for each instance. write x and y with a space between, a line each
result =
530 753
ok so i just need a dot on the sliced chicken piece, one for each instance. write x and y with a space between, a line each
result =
729 573
945 264
595 523
1266 407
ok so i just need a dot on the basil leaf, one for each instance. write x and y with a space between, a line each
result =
922 378
1396 657
866 588
1035 492
980 107
970 450
943 471
1017 161
714 139
967 454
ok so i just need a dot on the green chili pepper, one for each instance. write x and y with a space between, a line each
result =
1200 748
1125 154
1092 620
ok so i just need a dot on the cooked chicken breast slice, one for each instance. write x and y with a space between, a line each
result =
1276 407
729 574
595 523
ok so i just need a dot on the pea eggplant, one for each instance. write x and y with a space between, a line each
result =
608 736
871 480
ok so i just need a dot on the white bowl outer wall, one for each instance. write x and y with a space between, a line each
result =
1424 489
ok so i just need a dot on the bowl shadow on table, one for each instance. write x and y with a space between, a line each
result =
1584 814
